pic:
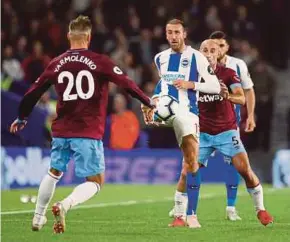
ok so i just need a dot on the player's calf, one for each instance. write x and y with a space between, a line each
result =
255 189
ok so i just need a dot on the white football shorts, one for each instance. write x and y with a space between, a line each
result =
184 124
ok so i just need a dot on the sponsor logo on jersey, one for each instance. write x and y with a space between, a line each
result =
210 98
172 77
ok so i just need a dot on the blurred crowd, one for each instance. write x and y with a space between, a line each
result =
131 33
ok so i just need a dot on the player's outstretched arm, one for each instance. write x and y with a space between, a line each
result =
30 99
211 84
116 75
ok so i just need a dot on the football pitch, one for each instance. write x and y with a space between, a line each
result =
140 213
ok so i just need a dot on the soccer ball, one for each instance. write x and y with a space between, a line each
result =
166 108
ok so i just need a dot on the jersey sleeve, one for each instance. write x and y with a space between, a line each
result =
114 74
157 63
157 89
246 79
211 83
233 79
34 93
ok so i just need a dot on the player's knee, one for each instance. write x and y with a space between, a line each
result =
246 172
99 178
55 172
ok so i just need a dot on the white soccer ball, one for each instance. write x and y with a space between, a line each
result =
166 108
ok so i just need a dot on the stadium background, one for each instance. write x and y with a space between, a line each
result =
132 32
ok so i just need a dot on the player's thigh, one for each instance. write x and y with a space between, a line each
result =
60 154
205 148
185 125
229 143
241 163
88 155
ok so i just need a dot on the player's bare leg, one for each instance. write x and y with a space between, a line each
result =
45 193
242 164
80 194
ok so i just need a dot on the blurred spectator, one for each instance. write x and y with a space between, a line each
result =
53 33
10 65
21 48
212 19
34 32
242 26
246 52
122 126
133 71
35 64
288 129
48 105
265 88
146 48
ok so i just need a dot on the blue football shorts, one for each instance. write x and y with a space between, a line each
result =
228 143
88 155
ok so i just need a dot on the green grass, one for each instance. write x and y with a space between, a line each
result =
147 219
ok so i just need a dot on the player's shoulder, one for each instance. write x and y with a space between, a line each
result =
162 53
236 61
227 70
197 54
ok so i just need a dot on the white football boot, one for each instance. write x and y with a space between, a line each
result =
232 214
38 222
192 222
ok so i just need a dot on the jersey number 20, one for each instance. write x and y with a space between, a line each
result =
67 96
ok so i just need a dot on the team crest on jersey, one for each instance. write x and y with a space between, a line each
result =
210 70
184 62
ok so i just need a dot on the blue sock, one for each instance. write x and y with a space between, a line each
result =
193 185
232 183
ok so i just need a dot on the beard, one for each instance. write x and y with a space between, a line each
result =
221 57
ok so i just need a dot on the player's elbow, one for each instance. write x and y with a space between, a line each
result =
243 100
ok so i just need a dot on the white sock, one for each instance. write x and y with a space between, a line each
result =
180 201
230 208
45 193
258 197
80 194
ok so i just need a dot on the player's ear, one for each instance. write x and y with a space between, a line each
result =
89 38
184 34
68 36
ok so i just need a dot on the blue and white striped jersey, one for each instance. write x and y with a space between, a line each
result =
190 65
240 67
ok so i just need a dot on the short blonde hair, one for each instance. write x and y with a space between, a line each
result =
80 25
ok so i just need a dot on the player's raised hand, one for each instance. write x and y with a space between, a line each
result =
224 91
181 84
17 125
250 124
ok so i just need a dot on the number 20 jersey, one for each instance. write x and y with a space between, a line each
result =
81 81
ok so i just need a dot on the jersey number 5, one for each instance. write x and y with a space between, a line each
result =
67 96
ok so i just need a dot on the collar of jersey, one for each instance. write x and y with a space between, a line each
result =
173 52
74 50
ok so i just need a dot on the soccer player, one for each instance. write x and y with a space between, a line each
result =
181 61
218 128
81 78
240 67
